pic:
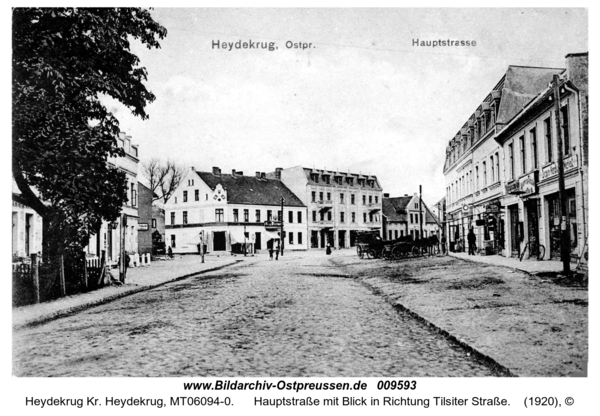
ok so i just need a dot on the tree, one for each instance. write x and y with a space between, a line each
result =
164 177
64 61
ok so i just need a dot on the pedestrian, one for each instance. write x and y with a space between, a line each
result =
270 249
170 252
277 251
328 250
444 244
471 240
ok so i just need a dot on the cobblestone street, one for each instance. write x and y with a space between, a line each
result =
299 316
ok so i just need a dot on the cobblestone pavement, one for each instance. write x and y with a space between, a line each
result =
531 325
300 316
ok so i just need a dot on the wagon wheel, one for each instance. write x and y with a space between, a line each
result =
416 251
371 253
360 252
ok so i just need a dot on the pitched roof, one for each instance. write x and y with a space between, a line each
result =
250 190
395 209
520 86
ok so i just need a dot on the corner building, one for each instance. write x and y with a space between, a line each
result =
340 204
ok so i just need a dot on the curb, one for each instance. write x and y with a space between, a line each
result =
75 309
504 371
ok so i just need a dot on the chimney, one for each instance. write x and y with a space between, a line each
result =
192 168
278 173
258 175
232 172
240 173
216 171
263 175
386 195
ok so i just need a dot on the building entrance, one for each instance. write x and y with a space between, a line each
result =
219 241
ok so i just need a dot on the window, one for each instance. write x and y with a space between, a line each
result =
565 129
322 215
476 178
207 197
299 238
328 215
341 198
411 218
134 196
484 168
258 215
290 217
236 215
314 216
173 245
370 199
314 196
523 160
511 161
549 142
219 215
279 215
342 216
153 222
246 215
354 217
320 196
364 217
314 177
184 196
185 218
352 199
197 195
190 182
377 200
172 218
175 200
269 215
497 167
534 155
401 233
396 233
390 235
326 179
416 218
416 206
329 196
370 217
338 180
299 217
350 181
364 199
493 174
291 238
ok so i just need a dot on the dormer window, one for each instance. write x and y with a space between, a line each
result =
326 179
338 180
350 181
314 177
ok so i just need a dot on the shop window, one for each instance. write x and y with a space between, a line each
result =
185 217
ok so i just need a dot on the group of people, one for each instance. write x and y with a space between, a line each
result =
273 248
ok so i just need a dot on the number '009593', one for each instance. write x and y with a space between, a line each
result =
396 385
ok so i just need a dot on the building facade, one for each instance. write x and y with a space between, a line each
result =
339 204
529 142
151 221
112 235
26 227
228 212
405 215
474 169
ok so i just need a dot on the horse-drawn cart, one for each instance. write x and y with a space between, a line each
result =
370 244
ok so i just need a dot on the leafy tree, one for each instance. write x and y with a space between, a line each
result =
64 61
164 177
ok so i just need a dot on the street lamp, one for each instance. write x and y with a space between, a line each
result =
282 238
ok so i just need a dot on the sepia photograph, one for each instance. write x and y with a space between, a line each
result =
299 200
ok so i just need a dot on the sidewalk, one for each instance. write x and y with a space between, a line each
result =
138 279
528 266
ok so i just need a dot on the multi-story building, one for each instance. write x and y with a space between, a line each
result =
474 166
111 235
233 211
529 141
405 215
339 204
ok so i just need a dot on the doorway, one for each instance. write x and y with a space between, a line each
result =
220 241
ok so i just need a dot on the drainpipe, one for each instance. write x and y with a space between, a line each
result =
578 94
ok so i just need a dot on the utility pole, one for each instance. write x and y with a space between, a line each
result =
244 240
202 245
420 212
282 235
123 265
565 239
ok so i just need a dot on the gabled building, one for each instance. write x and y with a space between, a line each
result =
231 211
403 216
474 163
340 204
529 141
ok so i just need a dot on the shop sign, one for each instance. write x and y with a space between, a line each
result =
493 208
552 170
527 184
143 226
512 188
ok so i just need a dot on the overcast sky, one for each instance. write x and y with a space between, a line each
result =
363 98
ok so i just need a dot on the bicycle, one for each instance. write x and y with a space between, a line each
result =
535 249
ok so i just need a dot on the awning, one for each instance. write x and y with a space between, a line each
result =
271 236
237 236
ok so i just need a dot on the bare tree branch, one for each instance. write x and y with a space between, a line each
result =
163 177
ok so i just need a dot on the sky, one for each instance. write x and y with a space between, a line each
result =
363 98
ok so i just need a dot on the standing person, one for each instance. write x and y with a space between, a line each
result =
270 249
277 251
170 252
328 250
471 240
444 244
